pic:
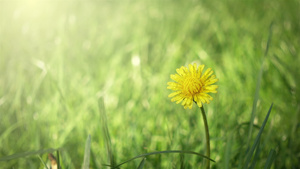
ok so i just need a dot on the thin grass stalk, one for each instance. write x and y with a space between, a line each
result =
87 152
58 161
160 152
206 136
45 165
103 119
258 83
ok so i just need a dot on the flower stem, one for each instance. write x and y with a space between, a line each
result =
207 137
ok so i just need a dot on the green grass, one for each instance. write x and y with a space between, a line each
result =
58 59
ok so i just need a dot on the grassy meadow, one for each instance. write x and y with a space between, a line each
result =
70 69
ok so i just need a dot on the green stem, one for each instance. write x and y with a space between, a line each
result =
207 137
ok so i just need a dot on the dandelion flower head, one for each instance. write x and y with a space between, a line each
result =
192 85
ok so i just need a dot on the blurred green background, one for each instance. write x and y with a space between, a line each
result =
58 58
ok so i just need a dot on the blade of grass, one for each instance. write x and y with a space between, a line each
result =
86 161
257 139
255 158
164 152
181 161
111 157
241 158
270 159
142 164
94 163
256 96
227 152
58 161
25 154
45 165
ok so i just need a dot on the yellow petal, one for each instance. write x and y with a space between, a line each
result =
176 78
174 94
174 84
180 72
202 99
176 98
173 88
207 73
210 89
199 104
192 69
184 101
200 69
180 99
195 98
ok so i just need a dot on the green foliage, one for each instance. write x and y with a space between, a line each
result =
256 145
26 154
59 58
142 164
163 152
86 160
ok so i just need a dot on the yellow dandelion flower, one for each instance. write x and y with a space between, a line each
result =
192 85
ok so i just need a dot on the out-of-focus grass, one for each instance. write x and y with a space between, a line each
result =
58 58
